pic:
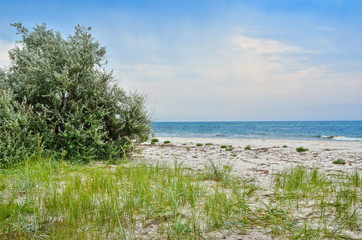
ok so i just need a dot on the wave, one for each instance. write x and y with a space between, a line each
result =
340 138
326 137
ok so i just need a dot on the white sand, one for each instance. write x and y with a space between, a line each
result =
265 157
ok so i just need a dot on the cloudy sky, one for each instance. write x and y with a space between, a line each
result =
206 60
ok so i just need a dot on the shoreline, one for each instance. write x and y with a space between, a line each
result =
315 139
265 157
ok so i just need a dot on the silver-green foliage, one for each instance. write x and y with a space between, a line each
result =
15 142
60 91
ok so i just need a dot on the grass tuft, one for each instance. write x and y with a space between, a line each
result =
339 161
302 149
154 140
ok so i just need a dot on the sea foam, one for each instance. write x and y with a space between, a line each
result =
341 138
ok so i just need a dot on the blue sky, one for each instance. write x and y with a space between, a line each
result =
220 60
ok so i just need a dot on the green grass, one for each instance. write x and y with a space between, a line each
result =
209 144
166 142
48 199
223 146
302 149
334 200
339 161
285 146
247 148
199 144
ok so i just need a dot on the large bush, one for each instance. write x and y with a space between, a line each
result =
57 94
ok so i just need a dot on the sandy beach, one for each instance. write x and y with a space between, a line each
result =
260 162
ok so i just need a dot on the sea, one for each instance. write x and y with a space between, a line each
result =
294 130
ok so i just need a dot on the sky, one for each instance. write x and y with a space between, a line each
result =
213 60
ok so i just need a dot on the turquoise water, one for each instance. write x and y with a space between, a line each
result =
305 130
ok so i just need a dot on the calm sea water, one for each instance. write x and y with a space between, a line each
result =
306 130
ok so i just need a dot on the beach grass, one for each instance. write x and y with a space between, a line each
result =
302 149
154 140
339 161
50 199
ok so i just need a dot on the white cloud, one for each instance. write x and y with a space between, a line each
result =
237 77
260 45
4 48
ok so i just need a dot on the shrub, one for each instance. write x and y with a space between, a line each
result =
166 142
339 161
285 146
301 149
16 138
247 148
199 144
154 140
209 144
223 146
58 91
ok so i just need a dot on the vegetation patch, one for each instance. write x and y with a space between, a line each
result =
52 199
166 142
339 161
247 148
302 149
199 144
154 140
223 146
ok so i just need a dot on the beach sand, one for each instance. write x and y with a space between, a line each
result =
265 157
